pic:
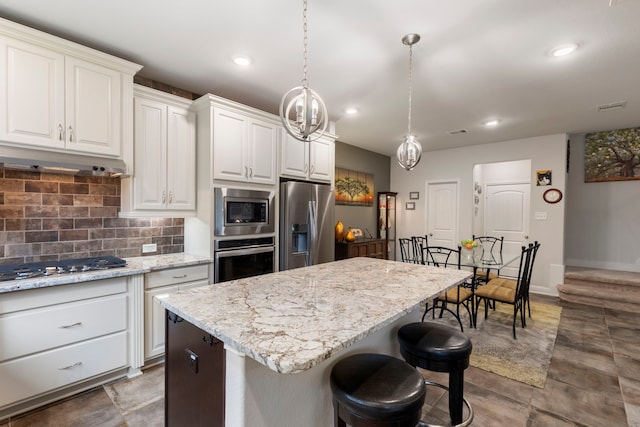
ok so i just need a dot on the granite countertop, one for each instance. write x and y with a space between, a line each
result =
135 265
292 320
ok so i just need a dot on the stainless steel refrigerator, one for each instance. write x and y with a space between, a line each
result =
306 224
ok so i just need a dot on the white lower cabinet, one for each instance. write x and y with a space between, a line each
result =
161 283
57 336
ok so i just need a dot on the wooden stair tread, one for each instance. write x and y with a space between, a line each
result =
629 278
619 290
632 297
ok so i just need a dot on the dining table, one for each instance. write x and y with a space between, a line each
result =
477 260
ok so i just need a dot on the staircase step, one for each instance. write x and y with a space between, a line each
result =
618 290
627 278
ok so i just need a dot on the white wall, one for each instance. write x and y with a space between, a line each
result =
602 218
544 152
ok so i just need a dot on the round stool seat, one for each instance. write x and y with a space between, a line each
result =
434 347
378 387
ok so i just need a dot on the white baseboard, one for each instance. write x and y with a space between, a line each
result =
604 265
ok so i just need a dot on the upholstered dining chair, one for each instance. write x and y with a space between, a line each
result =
461 295
491 249
509 291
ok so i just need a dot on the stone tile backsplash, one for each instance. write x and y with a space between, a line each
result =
47 217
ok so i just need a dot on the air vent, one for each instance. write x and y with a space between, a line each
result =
612 106
458 131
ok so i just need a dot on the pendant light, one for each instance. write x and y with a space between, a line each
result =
410 151
310 120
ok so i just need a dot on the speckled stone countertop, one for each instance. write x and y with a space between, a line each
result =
292 320
136 265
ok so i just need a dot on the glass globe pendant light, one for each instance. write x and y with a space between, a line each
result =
302 104
410 151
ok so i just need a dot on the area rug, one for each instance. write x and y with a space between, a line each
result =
525 359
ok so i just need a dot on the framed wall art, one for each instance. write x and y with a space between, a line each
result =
414 195
543 177
353 188
410 206
612 155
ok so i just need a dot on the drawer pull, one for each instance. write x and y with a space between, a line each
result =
64 368
180 277
70 326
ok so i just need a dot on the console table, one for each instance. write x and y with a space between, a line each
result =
372 248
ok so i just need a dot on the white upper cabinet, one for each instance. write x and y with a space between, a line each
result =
244 147
61 96
32 88
92 108
165 155
312 160
236 142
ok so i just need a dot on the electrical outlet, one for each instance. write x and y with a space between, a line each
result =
541 216
151 247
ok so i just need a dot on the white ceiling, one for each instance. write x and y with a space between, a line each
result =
477 60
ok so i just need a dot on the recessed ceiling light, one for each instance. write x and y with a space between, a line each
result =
351 111
491 123
242 60
563 49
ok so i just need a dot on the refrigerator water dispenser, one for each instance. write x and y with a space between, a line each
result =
299 234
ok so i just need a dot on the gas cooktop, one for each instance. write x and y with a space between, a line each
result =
50 268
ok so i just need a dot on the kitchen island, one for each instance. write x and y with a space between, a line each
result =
283 332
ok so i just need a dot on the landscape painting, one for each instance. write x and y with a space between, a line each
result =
612 155
353 188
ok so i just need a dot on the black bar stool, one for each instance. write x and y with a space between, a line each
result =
376 390
440 348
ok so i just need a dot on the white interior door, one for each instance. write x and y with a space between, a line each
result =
442 214
507 214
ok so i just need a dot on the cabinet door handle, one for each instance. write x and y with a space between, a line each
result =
306 167
170 196
313 169
60 132
250 172
70 134
164 197
70 326
179 277
64 368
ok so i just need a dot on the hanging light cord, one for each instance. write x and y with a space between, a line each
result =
410 85
305 82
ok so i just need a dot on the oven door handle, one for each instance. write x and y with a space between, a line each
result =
248 251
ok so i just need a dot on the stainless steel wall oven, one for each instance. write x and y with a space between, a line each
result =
240 258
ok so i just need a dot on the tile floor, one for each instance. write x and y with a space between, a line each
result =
593 380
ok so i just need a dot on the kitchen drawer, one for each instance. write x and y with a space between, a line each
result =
173 276
30 331
29 376
34 298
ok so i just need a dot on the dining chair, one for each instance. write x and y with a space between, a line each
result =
509 291
419 242
406 250
491 251
440 256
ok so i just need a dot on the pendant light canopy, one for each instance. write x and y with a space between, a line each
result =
410 151
302 104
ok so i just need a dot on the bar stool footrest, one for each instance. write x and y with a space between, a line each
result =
464 423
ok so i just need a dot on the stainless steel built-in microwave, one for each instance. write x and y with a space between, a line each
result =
239 212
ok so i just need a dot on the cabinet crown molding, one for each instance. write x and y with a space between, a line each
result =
37 37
